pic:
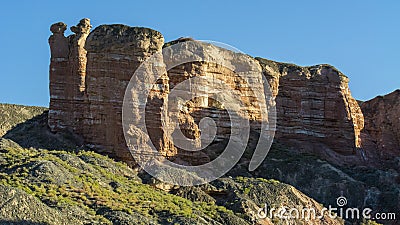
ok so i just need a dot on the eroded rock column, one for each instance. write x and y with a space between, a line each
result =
67 76
60 99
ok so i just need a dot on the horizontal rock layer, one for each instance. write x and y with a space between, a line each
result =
381 136
89 73
315 110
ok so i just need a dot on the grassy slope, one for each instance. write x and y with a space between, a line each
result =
97 189
90 182
11 115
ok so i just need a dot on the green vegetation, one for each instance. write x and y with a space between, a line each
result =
11 115
90 181
98 190
370 222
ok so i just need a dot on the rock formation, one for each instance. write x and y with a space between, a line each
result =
363 187
89 73
381 135
315 110
114 53
88 82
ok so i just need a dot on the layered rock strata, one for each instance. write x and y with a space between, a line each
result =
381 135
88 78
89 72
315 110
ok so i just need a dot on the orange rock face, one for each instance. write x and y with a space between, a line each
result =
88 82
89 72
315 110
67 76
381 135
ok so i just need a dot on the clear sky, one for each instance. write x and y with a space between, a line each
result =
360 38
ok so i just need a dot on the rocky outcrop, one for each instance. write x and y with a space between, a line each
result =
381 135
88 86
212 91
88 80
114 54
60 100
315 110
67 76
89 73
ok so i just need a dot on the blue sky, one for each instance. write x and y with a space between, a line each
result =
360 38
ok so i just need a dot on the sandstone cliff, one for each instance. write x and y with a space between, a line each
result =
91 105
381 135
89 73
315 110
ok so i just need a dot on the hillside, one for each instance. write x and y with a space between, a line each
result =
12 115
69 183
85 187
